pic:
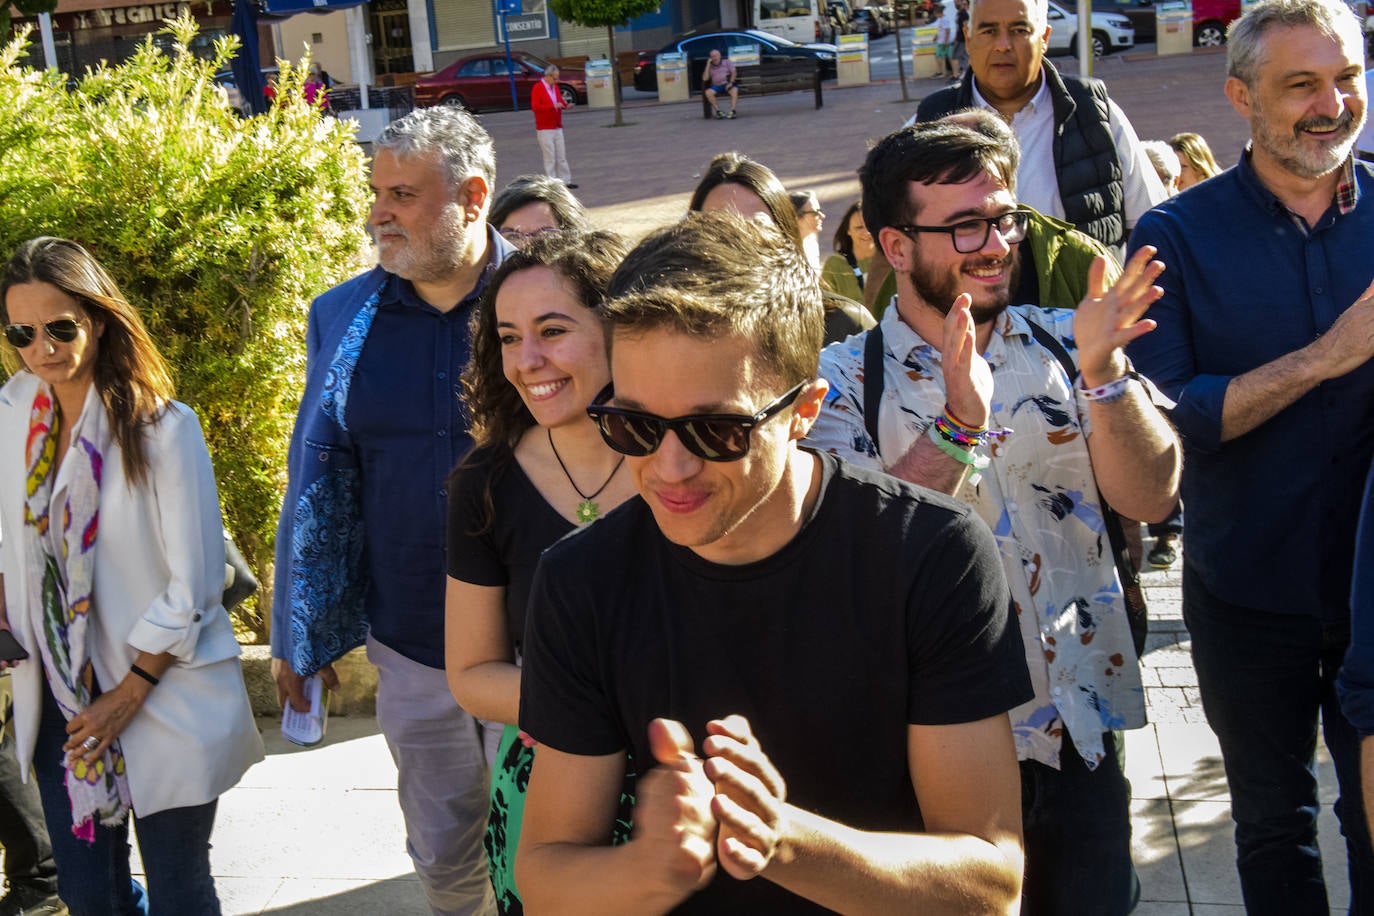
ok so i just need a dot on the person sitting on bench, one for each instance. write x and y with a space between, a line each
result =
719 77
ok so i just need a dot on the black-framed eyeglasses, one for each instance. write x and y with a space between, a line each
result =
511 234
710 436
971 235
819 213
59 330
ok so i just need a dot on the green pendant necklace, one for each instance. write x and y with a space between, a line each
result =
587 510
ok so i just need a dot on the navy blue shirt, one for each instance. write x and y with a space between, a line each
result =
1356 682
1271 514
409 429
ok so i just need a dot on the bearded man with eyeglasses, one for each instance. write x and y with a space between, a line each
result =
809 664
1043 408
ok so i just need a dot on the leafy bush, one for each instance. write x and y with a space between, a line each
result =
219 229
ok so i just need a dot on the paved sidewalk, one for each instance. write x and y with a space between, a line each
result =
640 176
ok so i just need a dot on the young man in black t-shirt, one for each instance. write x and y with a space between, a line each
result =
840 641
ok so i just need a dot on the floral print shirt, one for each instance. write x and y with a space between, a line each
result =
1039 498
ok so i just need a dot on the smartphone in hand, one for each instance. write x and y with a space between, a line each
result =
10 650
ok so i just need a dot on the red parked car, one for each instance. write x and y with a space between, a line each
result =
483 81
1210 18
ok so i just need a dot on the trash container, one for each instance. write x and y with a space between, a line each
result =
852 62
923 62
600 84
671 69
1174 27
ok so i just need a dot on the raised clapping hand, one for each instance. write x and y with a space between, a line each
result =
673 819
749 800
1108 319
968 378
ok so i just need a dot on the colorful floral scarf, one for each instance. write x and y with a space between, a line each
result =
61 597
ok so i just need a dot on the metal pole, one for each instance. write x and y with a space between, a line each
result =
897 38
49 48
357 51
510 66
1085 38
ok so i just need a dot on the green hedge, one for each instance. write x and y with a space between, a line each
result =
220 229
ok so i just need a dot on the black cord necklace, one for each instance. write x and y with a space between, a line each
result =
587 511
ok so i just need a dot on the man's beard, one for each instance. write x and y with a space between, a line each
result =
1288 150
431 257
939 288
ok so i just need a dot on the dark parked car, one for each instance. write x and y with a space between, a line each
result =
1210 18
230 83
483 81
870 20
699 47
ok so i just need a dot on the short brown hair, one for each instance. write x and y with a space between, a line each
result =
929 152
718 275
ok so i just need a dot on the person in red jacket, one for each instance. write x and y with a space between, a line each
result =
548 107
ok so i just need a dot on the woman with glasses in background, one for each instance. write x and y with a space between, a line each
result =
534 205
538 469
130 700
810 222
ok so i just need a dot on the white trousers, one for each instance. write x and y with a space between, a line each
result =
555 154
442 782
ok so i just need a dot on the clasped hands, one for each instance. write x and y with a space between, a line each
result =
694 814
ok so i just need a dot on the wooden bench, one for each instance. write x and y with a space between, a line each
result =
769 76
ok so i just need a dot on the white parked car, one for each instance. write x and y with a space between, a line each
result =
1111 31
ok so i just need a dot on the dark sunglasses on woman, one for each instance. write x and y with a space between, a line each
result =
710 436
59 330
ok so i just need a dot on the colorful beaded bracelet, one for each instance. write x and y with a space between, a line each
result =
958 453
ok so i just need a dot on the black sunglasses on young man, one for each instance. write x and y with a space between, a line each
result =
60 330
710 436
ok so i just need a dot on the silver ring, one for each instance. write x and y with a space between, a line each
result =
91 743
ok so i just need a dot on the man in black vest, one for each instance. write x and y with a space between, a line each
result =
1080 158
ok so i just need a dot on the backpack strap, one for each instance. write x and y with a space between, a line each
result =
1116 533
873 381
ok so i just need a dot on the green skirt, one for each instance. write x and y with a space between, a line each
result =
509 780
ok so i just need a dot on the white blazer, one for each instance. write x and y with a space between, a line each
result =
159 579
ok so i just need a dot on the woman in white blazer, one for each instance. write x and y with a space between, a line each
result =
112 565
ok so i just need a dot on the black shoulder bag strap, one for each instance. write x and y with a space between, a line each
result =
873 381
854 266
1136 611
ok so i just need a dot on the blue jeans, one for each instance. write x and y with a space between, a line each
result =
1077 826
93 878
1264 679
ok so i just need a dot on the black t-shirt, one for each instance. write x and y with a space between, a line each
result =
888 608
505 554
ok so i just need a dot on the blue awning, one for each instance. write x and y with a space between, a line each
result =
291 7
